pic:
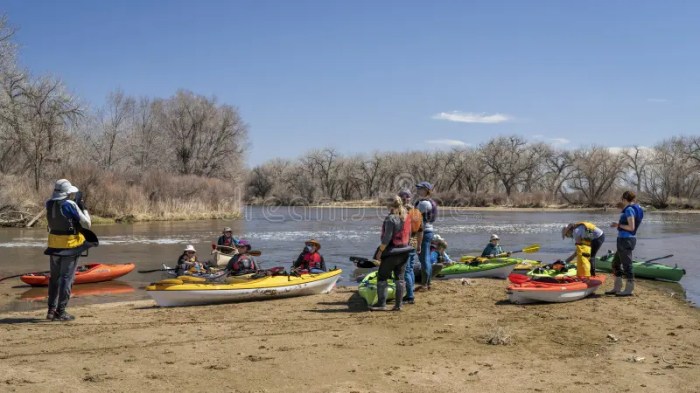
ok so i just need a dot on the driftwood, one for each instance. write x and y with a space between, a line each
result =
16 218
36 218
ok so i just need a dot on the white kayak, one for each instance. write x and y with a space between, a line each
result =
176 292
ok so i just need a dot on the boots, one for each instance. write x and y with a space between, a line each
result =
628 289
382 290
617 287
400 288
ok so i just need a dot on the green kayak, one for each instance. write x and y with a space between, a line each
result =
641 269
368 289
494 267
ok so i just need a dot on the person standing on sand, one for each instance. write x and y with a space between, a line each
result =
630 220
428 209
415 242
588 239
392 253
66 218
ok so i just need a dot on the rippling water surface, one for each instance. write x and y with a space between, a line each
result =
280 233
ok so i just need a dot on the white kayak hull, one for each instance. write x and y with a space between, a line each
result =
530 296
499 272
165 298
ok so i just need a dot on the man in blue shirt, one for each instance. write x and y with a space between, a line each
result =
627 226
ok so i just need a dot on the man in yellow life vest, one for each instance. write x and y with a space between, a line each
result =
68 220
588 239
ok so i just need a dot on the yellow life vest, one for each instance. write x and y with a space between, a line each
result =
66 241
590 228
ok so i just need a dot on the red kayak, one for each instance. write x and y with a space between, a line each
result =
94 272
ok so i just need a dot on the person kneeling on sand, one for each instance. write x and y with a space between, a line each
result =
494 249
310 260
438 252
188 262
243 262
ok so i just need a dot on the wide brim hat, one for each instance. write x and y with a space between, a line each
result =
228 229
62 188
313 242
190 248
495 237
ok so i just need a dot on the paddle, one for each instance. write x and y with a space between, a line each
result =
254 253
527 250
20 275
658 259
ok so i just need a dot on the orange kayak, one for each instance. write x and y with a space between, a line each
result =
568 289
94 272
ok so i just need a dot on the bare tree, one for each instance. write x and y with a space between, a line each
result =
558 172
507 157
325 165
596 170
207 138
637 160
39 114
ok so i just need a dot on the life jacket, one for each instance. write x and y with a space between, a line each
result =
590 230
224 241
63 231
239 264
430 215
312 261
638 217
402 237
416 220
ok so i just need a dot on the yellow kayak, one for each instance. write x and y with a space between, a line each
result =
177 292
523 264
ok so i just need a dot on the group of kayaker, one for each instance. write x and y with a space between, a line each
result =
407 233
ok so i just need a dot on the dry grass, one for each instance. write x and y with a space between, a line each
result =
112 196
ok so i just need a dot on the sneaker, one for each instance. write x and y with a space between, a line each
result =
63 316
396 308
409 301
50 315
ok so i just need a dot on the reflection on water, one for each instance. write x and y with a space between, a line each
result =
96 289
280 234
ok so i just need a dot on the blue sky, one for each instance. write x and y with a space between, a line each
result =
387 75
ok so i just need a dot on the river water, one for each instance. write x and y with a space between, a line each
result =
280 233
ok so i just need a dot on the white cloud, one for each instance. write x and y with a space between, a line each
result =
448 142
657 100
468 117
559 141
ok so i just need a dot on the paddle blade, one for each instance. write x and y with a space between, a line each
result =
532 248
516 278
255 253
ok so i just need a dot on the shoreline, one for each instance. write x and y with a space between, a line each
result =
644 343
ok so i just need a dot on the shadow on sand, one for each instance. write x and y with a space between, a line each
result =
355 304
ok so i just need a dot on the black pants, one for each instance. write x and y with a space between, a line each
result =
393 264
622 261
596 244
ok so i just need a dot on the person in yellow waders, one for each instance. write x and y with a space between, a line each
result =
588 239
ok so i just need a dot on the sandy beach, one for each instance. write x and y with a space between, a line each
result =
456 338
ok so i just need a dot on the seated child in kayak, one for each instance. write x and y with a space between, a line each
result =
438 251
310 261
242 263
188 261
494 248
